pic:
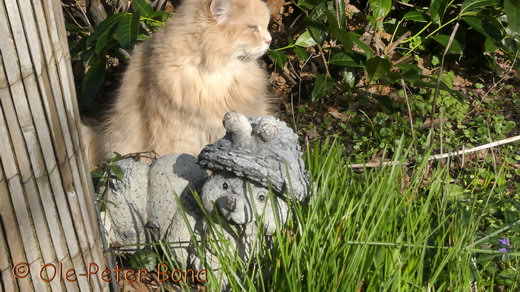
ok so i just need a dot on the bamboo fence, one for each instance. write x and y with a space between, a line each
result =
47 214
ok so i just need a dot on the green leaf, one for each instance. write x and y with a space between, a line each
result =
305 40
455 47
117 171
309 4
144 259
394 76
420 83
435 60
92 81
377 67
512 9
301 53
380 8
484 26
345 37
437 9
367 51
97 174
349 77
415 16
469 5
117 157
128 29
411 72
333 22
103 31
342 59
454 191
143 7
322 86
489 46
160 15
317 29
279 58
101 42
75 28
348 39
142 37
385 101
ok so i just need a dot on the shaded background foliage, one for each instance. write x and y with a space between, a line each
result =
338 63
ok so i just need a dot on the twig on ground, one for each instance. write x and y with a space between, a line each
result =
71 16
403 60
378 164
294 22
97 10
325 63
391 47
84 16
438 85
462 152
475 149
503 76
412 5
287 74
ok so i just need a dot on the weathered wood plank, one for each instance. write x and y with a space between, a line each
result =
56 98
46 199
36 53
16 235
6 265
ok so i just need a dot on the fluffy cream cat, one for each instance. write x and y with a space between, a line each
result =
181 82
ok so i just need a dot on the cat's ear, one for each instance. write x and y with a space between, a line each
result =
220 10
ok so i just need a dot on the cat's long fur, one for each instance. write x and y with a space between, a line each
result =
181 82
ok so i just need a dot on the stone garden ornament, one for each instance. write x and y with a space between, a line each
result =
156 201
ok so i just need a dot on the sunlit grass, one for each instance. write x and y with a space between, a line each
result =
393 228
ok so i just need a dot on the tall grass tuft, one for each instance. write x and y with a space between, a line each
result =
393 228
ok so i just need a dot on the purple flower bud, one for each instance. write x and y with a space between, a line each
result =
504 241
503 249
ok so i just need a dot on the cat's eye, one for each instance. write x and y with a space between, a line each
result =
253 28
225 186
261 196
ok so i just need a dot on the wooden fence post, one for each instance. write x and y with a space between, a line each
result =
48 222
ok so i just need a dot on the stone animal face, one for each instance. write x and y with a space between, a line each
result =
242 202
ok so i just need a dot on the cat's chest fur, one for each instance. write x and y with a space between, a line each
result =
225 76
235 86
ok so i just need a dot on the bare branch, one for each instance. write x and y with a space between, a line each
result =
97 10
462 152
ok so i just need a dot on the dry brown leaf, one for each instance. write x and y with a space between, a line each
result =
127 286
312 134
352 9
337 114
276 8
436 121
460 82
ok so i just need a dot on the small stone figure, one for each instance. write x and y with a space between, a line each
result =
155 202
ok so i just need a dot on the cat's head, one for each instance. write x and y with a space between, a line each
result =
244 25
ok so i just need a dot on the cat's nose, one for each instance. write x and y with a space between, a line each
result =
268 39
